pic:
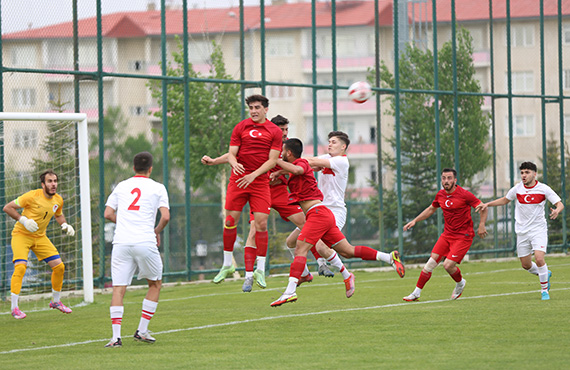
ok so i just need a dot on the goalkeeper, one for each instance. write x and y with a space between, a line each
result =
39 206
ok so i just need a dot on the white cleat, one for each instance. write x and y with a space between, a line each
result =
412 297
458 289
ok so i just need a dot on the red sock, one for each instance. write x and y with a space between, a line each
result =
365 253
297 267
423 279
249 255
315 253
456 275
261 238
229 238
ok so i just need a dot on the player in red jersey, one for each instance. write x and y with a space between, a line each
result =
457 237
320 222
255 145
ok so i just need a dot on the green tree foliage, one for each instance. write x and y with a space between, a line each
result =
215 109
418 144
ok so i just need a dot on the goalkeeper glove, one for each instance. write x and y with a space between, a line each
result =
67 229
30 225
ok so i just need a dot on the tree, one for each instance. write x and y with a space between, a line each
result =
215 108
418 145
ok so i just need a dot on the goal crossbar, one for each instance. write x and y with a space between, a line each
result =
84 193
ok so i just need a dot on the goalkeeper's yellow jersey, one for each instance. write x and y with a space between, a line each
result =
38 208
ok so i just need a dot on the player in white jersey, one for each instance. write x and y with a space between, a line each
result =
133 206
530 224
332 182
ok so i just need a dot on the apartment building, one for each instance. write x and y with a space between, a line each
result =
132 44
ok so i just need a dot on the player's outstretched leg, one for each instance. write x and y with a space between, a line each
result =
458 289
397 263
224 272
349 285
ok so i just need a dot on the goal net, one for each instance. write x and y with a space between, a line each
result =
31 143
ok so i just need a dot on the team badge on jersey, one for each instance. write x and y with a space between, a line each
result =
254 133
55 207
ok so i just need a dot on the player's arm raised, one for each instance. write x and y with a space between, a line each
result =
290 167
497 202
318 164
426 213
209 161
244 181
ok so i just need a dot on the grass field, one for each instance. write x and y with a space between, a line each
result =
499 322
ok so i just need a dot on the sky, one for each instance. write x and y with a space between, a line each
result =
19 15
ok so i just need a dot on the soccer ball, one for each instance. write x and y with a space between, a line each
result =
359 92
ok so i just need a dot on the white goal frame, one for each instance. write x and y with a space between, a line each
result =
84 193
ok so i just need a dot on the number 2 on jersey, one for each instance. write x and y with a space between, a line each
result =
133 206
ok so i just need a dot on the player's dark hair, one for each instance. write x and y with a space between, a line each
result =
279 120
342 137
257 98
449 170
528 166
295 146
142 162
47 172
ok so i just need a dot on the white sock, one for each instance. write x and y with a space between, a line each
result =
228 257
305 271
291 286
335 261
321 261
14 300
292 251
534 269
148 310
345 273
384 257
543 277
417 292
261 263
116 320
55 294
248 274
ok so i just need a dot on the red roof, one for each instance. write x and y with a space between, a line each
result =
282 16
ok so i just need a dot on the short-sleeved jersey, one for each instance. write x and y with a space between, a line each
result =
255 141
136 202
39 208
333 181
456 209
303 187
529 208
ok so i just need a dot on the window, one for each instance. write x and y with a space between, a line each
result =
516 171
279 92
566 79
137 111
280 46
523 126
521 81
345 45
372 134
24 56
25 139
478 38
247 48
522 35
59 53
373 173
566 34
87 50
566 124
200 51
23 97
136 65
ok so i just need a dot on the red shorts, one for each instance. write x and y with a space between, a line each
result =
320 224
257 194
280 203
453 248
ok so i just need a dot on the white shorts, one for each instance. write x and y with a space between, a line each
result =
339 216
531 241
126 259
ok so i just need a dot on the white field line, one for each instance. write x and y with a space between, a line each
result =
230 323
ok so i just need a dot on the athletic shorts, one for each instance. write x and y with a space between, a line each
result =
127 259
339 216
257 194
532 241
452 248
320 224
22 244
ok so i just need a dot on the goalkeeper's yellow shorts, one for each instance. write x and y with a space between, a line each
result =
42 247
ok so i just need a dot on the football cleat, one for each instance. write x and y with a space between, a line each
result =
349 285
18 314
247 284
305 279
458 289
116 344
285 298
412 297
545 295
325 271
224 272
397 263
60 306
143 337
259 277
549 275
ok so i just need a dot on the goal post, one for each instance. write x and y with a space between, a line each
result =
84 193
